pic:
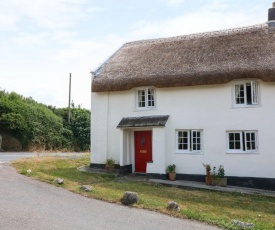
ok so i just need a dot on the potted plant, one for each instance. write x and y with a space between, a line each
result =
208 177
110 164
218 177
171 169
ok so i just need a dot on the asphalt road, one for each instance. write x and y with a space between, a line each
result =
29 204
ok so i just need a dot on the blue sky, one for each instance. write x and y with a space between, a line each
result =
42 41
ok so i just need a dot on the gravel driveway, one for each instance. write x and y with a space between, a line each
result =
29 204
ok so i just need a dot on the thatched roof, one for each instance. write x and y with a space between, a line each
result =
198 59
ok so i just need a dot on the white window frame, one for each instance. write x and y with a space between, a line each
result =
189 142
147 106
243 141
255 94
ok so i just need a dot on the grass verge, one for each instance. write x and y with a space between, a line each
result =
217 208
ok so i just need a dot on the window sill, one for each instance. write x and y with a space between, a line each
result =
145 109
189 153
242 153
246 106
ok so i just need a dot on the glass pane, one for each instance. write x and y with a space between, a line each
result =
237 145
253 145
151 99
248 94
237 136
239 94
248 136
141 98
185 147
185 134
248 147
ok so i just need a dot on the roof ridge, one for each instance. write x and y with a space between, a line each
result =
215 33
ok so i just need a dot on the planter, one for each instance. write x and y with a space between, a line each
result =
172 176
219 182
208 180
110 168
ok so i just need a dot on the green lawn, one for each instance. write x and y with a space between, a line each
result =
213 207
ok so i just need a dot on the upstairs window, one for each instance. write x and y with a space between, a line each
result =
246 94
242 141
188 141
145 98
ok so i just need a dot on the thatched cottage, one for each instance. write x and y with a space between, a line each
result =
188 100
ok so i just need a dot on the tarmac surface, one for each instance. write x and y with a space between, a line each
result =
30 204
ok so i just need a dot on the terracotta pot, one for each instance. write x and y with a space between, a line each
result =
110 168
172 176
208 180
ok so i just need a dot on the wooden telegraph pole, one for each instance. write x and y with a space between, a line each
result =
69 112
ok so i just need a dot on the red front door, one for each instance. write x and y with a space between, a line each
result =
143 150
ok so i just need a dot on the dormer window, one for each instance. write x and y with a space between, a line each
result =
146 98
246 94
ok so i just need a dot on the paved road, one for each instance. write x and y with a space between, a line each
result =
10 156
29 204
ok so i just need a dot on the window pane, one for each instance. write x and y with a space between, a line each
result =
237 145
234 141
182 140
141 98
250 142
151 99
254 92
239 94
196 141
253 146
248 94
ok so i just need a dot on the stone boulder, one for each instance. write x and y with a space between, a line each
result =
59 181
129 198
173 206
243 224
86 188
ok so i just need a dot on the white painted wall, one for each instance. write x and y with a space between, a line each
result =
208 108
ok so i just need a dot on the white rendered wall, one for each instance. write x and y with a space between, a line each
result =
158 152
99 122
208 108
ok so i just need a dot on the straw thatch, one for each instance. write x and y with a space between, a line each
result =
199 59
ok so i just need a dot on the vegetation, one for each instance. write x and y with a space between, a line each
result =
218 208
171 168
39 127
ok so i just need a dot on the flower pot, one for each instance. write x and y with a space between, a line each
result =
172 176
110 168
208 180
219 182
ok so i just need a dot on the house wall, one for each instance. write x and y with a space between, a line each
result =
208 108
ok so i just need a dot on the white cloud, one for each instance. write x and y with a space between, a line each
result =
208 18
42 13
174 3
